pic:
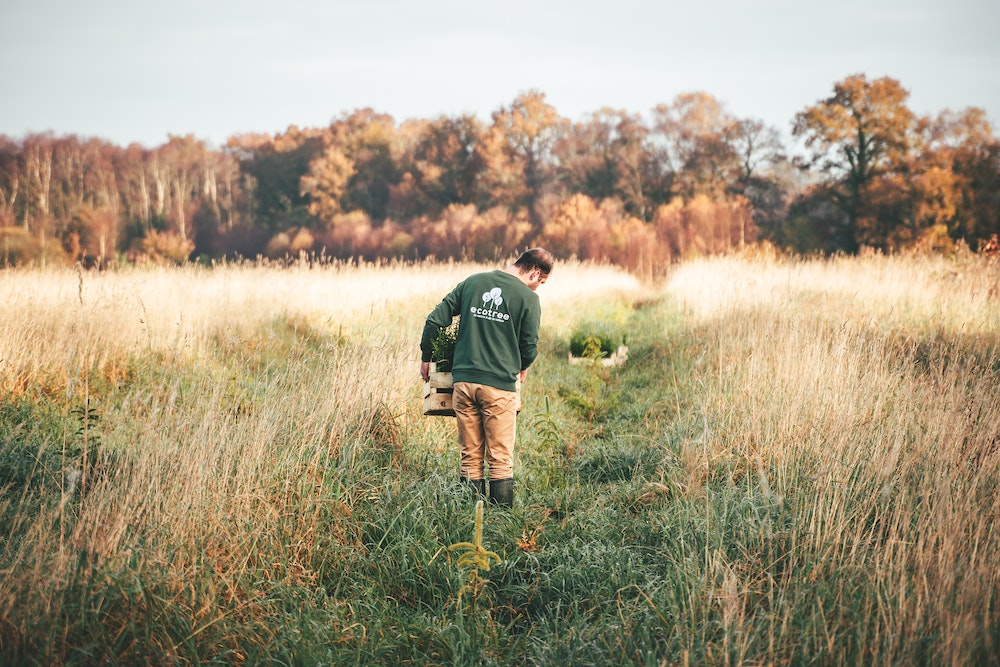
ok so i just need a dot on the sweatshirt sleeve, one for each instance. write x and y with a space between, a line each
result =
528 342
439 318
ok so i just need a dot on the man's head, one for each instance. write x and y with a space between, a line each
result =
534 265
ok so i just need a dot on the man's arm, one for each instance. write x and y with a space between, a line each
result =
438 318
528 340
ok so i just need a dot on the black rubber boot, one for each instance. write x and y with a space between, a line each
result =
478 486
502 492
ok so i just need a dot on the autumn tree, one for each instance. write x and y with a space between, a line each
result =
587 158
641 183
183 162
763 172
325 184
445 164
757 147
527 131
499 181
958 175
355 168
858 137
273 170
697 136
607 156
369 141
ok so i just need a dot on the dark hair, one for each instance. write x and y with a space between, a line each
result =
536 258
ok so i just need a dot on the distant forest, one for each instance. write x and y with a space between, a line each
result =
691 180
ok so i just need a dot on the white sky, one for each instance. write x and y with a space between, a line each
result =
136 71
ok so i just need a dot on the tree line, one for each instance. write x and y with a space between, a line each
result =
691 178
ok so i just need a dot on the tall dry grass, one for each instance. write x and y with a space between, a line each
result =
863 397
228 402
57 320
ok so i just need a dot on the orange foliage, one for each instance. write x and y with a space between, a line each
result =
587 230
700 225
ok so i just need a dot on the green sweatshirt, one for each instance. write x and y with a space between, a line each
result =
497 331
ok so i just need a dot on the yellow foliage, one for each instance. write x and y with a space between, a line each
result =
166 248
935 239
302 241
326 183
938 197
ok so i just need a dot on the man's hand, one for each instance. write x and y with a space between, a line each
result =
425 370
524 374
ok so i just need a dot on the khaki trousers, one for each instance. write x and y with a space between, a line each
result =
487 424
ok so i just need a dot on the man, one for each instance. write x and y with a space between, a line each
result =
497 342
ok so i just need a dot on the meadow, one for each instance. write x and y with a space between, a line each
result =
799 464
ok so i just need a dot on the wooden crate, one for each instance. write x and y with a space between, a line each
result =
438 393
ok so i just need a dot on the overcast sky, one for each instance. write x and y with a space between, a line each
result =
135 70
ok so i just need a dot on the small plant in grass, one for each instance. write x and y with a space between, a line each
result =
529 540
558 448
593 397
443 347
548 429
82 454
595 348
475 558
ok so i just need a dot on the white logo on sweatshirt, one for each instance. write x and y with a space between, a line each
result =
494 299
